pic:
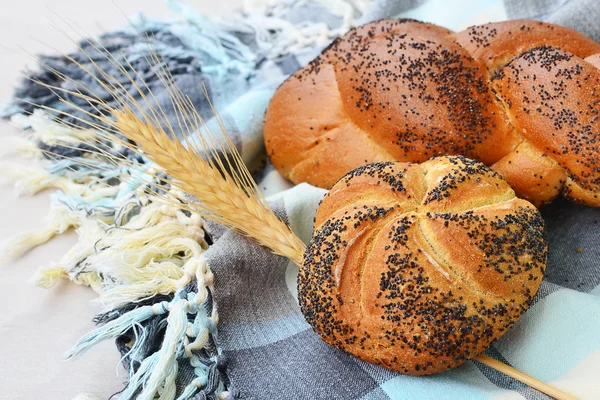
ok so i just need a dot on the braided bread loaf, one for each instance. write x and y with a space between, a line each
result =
419 268
518 96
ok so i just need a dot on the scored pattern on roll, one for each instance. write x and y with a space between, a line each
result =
520 96
419 268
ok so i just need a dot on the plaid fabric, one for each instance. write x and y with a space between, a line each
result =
263 348
270 352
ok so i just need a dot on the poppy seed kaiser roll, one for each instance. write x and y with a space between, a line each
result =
419 268
520 96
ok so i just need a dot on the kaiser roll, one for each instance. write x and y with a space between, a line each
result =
419 268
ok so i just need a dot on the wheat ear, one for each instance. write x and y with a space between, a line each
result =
216 194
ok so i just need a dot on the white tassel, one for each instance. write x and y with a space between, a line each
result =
89 232
45 129
156 252
47 276
146 262
164 281
21 146
57 222
91 279
32 179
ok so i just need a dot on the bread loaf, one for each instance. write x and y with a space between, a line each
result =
521 96
419 268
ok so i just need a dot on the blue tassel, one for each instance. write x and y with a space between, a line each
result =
140 378
172 348
115 328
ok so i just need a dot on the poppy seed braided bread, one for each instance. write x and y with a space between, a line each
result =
520 96
419 268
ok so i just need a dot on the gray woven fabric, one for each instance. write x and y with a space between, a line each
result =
581 15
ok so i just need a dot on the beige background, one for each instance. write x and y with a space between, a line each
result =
37 326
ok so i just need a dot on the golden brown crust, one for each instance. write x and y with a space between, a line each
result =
497 43
532 174
324 148
406 91
553 100
406 277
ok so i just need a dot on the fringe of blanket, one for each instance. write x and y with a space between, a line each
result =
143 258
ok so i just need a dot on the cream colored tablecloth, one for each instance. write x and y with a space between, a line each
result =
37 326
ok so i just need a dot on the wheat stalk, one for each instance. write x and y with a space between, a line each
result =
218 197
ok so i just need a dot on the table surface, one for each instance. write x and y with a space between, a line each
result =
38 325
